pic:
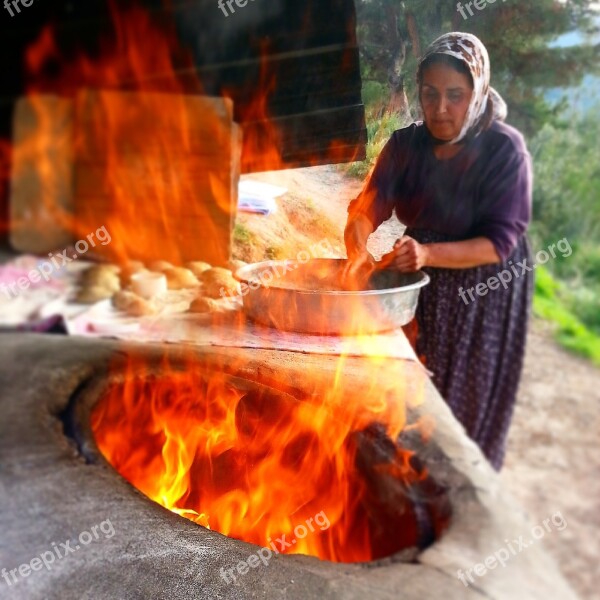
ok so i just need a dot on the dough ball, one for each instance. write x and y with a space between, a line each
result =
134 265
102 276
160 266
129 269
222 286
198 267
204 305
132 304
93 294
179 278
214 274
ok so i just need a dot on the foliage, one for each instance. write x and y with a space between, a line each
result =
242 235
393 34
567 205
379 132
274 253
567 185
552 302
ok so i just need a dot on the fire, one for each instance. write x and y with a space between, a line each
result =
158 168
152 164
254 463
156 165
263 141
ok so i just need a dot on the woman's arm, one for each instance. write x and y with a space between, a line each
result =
409 256
375 203
357 232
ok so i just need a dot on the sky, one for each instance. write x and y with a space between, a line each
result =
587 95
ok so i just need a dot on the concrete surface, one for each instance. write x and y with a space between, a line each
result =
49 494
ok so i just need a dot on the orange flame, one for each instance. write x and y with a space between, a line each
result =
240 459
156 168
263 143
254 463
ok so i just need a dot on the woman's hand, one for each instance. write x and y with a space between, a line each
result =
408 256
358 269
363 259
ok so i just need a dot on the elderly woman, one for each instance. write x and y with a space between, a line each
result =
461 182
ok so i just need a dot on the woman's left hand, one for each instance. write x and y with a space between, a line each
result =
408 255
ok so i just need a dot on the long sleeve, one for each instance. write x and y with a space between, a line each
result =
376 200
506 201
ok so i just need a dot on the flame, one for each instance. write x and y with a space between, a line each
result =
261 139
157 168
154 165
254 463
263 142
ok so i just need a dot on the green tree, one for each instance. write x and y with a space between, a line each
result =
393 33
566 198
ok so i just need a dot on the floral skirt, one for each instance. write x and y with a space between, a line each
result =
474 344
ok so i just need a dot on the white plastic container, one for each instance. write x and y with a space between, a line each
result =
149 285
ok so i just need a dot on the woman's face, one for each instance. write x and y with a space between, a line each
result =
445 98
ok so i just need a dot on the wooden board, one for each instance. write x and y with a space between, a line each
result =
160 171
41 198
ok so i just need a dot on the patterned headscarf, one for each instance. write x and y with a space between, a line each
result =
486 104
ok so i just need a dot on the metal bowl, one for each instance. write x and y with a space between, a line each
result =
389 302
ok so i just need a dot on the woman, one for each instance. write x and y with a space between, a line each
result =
461 183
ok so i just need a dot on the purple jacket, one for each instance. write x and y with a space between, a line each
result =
485 190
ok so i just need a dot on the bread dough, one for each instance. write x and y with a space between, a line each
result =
179 278
132 304
160 266
204 305
101 276
219 283
222 289
198 267
214 274
98 283
131 268
92 294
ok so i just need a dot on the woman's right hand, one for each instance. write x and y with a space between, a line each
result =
363 259
358 269
360 263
